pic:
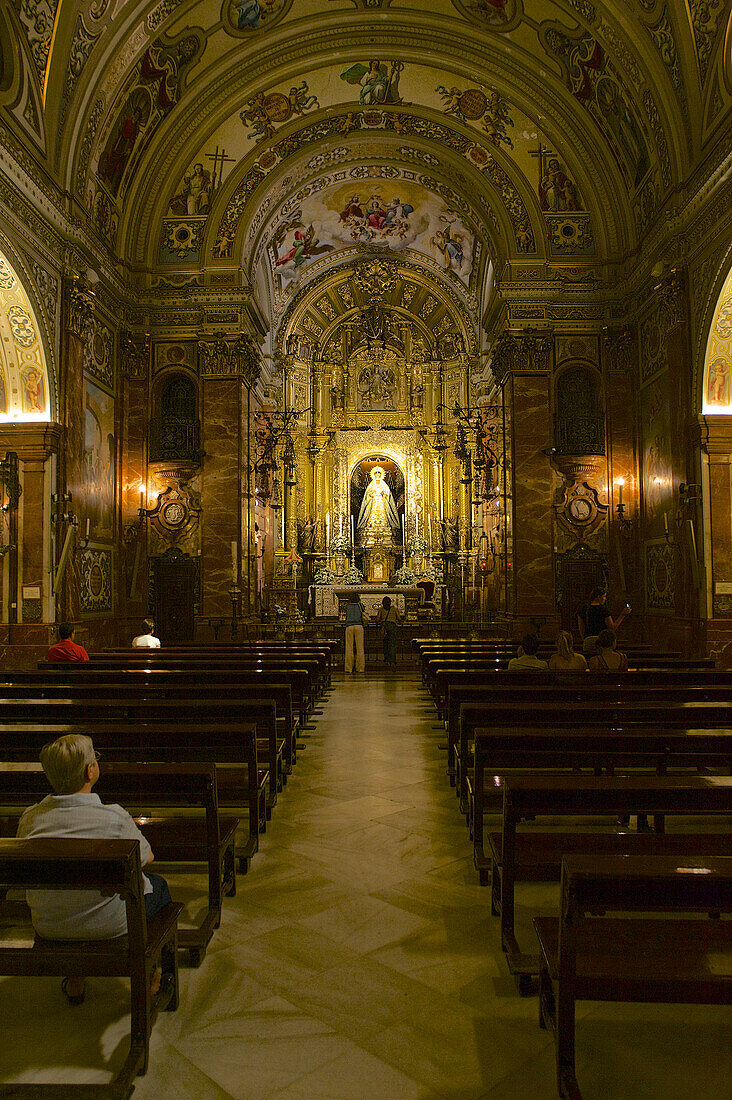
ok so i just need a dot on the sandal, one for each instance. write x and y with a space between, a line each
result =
72 998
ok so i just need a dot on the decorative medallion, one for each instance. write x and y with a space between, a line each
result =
580 511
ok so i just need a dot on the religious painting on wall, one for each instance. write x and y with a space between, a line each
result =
377 502
99 463
657 470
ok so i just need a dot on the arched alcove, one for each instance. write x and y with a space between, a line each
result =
579 420
24 382
175 428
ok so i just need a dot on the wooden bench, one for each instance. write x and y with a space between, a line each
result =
227 744
112 867
302 680
143 687
291 689
585 728
157 658
594 696
572 795
261 711
659 957
174 838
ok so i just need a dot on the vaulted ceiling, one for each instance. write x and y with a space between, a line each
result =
467 137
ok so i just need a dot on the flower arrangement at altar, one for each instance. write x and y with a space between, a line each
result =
352 576
418 545
324 576
340 544
404 577
431 572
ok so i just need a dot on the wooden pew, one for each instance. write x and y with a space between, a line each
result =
181 742
179 838
663 958
302 680
160 684
158 658
484 667
653 747
469 708
290 690
261 711
584 727
112 866
528 796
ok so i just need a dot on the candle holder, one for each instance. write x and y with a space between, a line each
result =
234 593
624 524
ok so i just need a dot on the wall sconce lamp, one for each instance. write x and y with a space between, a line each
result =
623 522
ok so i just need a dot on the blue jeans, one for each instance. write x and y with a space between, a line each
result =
160 894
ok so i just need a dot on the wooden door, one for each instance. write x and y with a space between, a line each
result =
577 578
174 599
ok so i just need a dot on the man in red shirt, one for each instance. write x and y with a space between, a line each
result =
66 648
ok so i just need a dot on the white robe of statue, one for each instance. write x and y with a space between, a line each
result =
378 519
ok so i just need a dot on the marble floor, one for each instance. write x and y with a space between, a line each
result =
359 960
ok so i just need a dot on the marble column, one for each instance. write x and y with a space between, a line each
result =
533 552
220 491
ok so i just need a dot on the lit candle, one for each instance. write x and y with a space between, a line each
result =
353 537
327 530
294 572
474 565
234 562
620 483
429 528
416 524
283 528
462 577
142 499
403 538
340 524
665 523
88 521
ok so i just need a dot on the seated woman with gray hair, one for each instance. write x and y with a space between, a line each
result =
72 768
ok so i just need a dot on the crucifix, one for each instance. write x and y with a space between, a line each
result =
219 158
540 153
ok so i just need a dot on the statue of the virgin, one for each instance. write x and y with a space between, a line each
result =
378 519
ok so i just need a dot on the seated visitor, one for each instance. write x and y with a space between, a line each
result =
147 639
595 617
387 620
608 659
565 659
72 768
66 648
355 614
526 655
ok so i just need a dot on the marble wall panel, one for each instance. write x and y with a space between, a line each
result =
72 467
220 491
533 558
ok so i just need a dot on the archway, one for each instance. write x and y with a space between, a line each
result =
24 383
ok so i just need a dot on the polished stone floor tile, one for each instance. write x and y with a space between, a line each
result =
359 959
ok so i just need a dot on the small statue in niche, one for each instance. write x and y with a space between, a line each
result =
416 396
450 536
306 536
337 396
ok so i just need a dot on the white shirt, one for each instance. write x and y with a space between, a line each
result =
79 914
146 641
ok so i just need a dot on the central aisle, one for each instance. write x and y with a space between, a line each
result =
360 961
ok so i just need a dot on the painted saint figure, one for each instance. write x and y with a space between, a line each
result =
378 519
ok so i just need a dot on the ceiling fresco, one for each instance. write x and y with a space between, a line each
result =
283 137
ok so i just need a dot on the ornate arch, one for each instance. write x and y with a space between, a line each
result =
717 384
25 388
